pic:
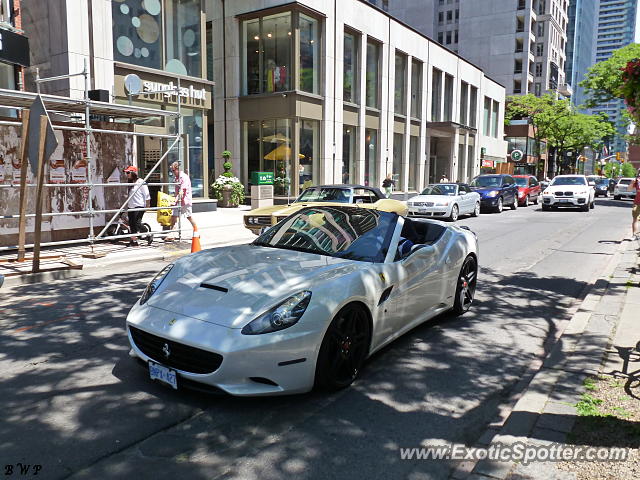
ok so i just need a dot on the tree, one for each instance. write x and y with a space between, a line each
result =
603 81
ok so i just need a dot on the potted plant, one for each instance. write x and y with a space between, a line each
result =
227 187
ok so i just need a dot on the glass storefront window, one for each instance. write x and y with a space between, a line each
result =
414 142
350 81
416 89
8 81
251 50
373 67
308 54
448 98
370 157
268 148
486 119
183 37
192 128
399 99
276 45
309 152
473 107
494 119
137 32
464 93
436 95
398 148
348 154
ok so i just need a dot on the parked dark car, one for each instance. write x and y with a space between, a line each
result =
528 189
496 191
602 186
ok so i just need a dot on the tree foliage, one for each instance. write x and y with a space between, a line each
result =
603 81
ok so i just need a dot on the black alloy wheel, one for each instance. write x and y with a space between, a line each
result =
499 206
344 348
466 287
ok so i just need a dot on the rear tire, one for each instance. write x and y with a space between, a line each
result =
144 235
536 200
466 286
344 348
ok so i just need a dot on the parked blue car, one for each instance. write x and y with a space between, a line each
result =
496 191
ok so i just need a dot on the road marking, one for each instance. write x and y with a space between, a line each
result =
42 324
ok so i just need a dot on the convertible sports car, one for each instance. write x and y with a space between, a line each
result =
304 304
257 219
445 200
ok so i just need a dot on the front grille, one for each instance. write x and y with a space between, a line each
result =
564 194
422 204
181 357
259 221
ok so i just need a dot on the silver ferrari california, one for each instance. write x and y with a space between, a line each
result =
305 304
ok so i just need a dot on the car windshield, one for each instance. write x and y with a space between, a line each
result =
339 195
344 232
602 181
521 181
441 189
569 181
488 181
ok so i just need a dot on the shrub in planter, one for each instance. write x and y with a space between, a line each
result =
227 188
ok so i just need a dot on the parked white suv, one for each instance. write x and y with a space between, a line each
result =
623 189
569 191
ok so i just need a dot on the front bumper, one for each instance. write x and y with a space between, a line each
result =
575 201
489 202
435 211
252 365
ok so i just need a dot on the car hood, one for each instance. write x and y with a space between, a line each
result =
563 188
286 210
431 198
230 286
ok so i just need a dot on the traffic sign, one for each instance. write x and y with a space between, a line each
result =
516 155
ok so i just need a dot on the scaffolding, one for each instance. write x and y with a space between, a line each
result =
86 107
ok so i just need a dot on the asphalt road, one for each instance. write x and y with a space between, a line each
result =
74 403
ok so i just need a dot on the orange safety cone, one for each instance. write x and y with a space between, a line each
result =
195 241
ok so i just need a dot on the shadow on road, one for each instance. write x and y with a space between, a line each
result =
69 381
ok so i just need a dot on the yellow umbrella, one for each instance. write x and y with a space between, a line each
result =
278 137
280 153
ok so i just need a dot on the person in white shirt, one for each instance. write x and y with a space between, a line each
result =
139 199
444 179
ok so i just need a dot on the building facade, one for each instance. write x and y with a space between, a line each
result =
519 43
581 40
616 28
14 50
340 92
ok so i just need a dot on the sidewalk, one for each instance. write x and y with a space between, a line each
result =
599 340
221 227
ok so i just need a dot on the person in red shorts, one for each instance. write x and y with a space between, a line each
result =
635 211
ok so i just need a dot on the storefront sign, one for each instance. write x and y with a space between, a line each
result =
488 163
185 92
262 178
516 155
14 48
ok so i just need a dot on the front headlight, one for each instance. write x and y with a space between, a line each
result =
155 283
546 192
492 193
281 316
581 192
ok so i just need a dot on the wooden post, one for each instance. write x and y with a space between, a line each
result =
22 226
41 164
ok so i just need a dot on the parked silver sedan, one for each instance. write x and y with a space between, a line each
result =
445 200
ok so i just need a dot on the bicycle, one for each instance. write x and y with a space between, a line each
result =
121 227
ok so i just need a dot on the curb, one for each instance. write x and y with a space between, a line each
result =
548 386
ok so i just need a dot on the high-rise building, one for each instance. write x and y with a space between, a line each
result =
581 41
616 27
519 43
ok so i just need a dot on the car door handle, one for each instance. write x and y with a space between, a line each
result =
448 260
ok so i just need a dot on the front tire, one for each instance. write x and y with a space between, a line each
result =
592 205
526 201
344 348
466 286
454 213
514 205
546 208
476 211
499 206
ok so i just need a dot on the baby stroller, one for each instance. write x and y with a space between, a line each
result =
121 227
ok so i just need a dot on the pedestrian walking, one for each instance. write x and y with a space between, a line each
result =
388 183
183 198
140 198
635 210
444 179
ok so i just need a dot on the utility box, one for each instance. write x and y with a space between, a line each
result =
262 178
261 196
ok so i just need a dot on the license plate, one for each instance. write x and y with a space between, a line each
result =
423 210
164 374
563 200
